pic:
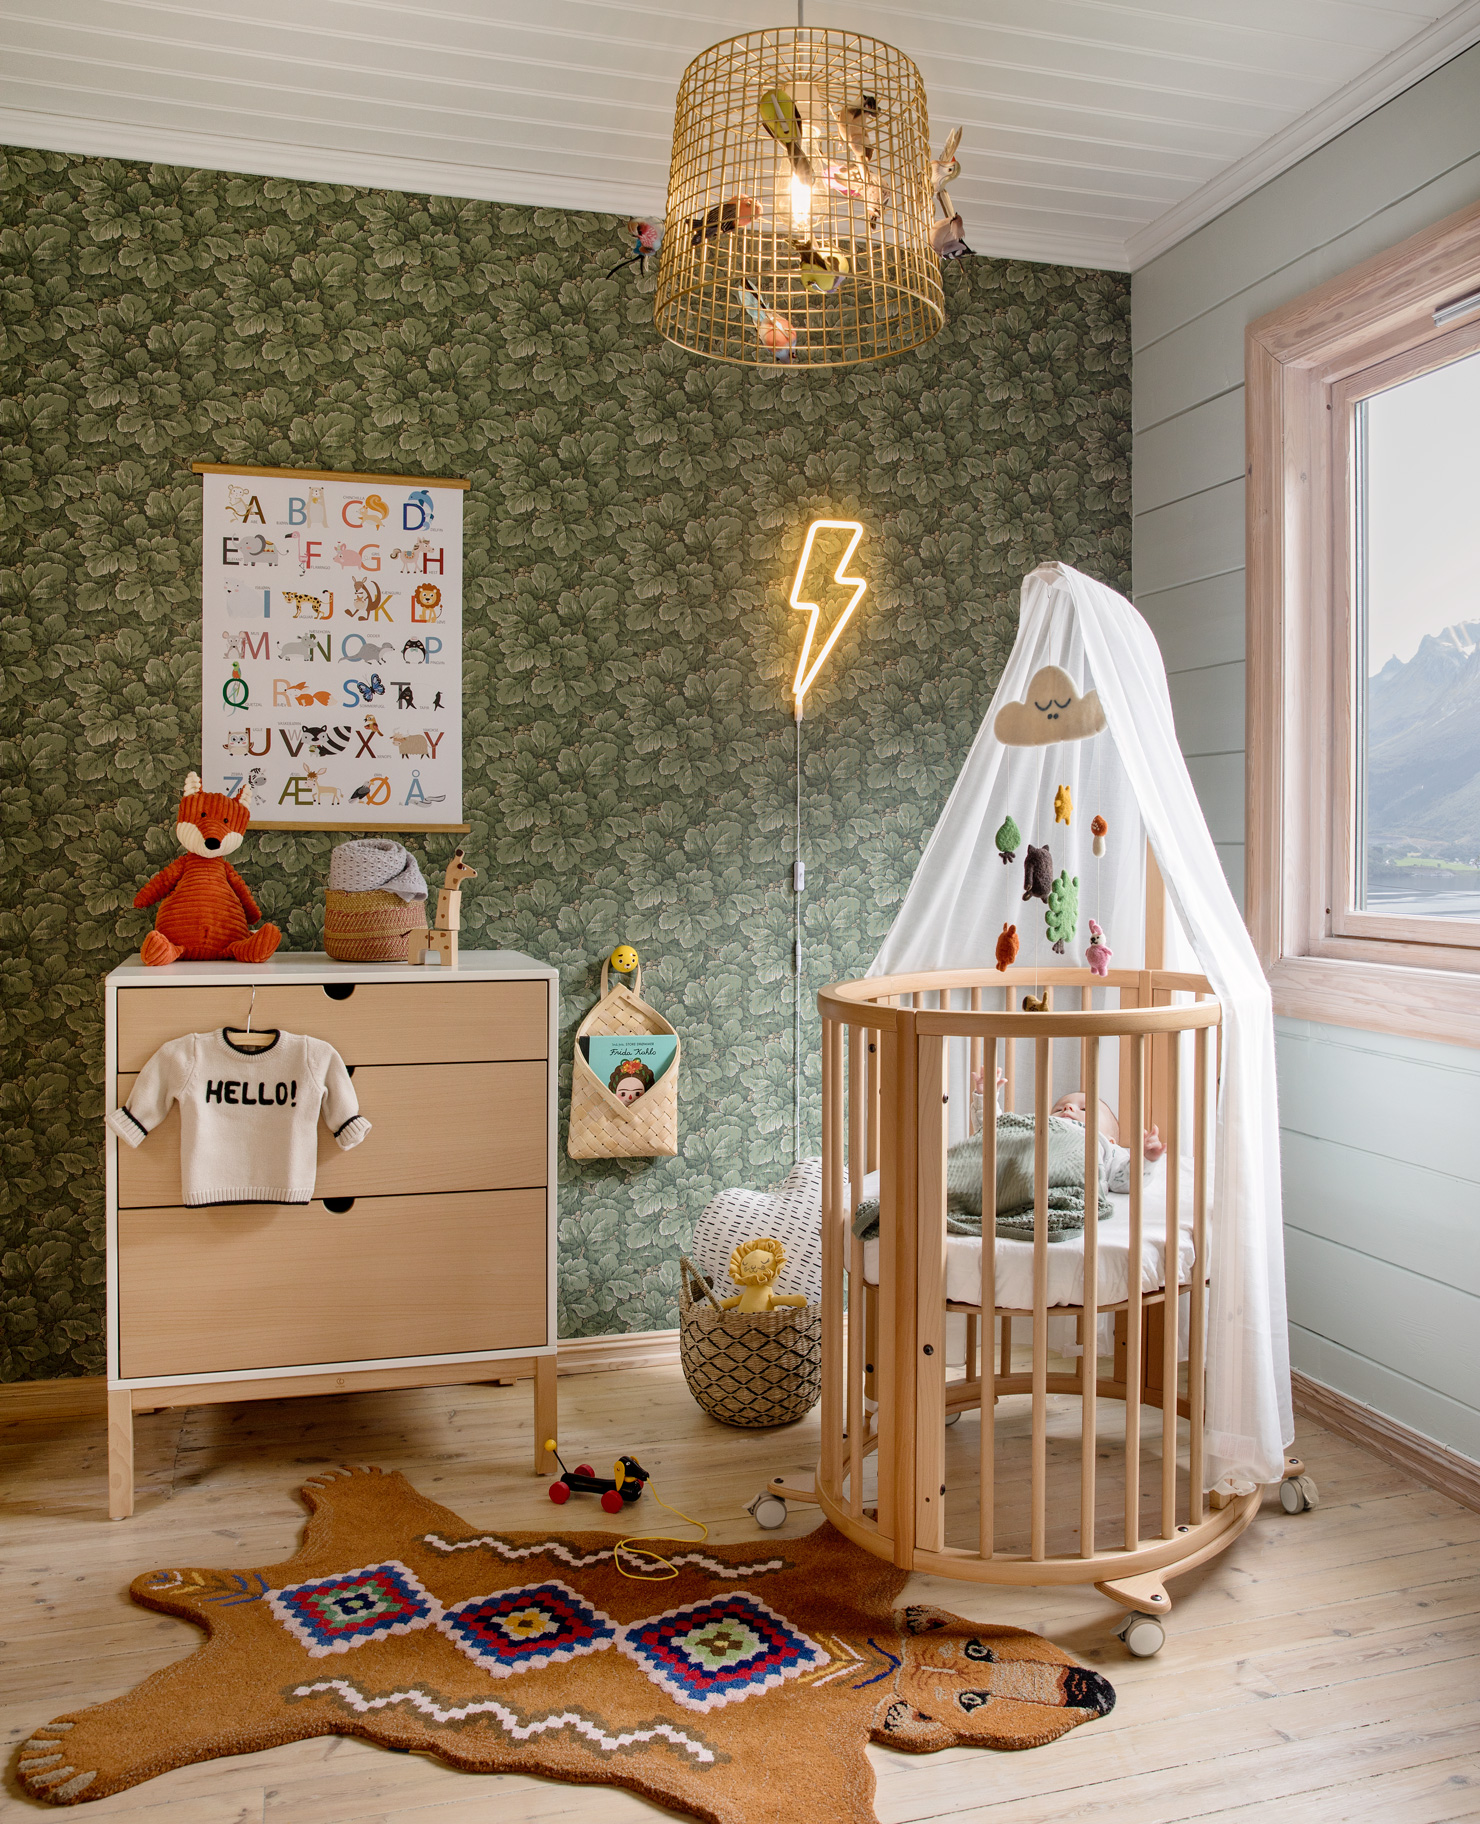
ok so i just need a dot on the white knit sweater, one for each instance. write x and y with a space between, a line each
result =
248 1117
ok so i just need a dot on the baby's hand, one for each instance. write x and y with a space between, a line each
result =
1153 1146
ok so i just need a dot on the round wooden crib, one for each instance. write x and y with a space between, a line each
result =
886 1092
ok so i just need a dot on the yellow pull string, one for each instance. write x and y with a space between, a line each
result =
669 1570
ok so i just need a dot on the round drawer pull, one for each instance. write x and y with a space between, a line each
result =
339 991
339 1206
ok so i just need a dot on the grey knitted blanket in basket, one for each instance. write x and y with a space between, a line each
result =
375 865
1014 1183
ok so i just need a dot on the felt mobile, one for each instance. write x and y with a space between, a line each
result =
1009 837
1063 910
1007 947
1099 829
1037 873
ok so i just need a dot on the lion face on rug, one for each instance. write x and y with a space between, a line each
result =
963 1684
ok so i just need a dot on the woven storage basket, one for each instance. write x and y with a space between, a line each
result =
749 1369
370 927
601 1127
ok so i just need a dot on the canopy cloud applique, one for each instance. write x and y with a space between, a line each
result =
1052 710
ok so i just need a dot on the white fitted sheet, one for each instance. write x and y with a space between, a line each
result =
1065 1258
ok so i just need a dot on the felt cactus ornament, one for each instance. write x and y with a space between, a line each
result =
1009 837
1037 873
1063 910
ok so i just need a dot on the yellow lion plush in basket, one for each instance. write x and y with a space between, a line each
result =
754 1266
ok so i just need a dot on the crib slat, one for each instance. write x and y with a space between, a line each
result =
1197 1296
1009 1062
930 1329
1133 1122
858 1052
1089 1361
1042 1100
832 1256
894 1358
973 1065
987 1445
1171 1301
875 1040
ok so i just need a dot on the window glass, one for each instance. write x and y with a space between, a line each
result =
1417 630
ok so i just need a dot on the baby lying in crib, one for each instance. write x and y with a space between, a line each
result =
1016 1149
1115 1161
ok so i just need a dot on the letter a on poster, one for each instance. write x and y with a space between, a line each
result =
331 647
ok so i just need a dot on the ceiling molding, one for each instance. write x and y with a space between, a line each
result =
1048 248
1424 53
320 164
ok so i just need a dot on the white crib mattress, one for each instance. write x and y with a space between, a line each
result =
1065 1258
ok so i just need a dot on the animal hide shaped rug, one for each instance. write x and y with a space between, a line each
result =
743 1691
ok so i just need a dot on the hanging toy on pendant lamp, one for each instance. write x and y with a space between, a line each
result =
772 329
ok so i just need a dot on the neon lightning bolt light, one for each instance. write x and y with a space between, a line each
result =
805 672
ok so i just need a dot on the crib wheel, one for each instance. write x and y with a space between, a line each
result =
1297 1493
1143 1635
768 1510
953 1418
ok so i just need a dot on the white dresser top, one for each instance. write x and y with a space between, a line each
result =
289 966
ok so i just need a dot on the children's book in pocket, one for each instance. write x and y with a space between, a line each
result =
630 1063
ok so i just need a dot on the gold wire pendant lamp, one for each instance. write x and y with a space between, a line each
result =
800 204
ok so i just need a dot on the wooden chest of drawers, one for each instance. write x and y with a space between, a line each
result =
428 1253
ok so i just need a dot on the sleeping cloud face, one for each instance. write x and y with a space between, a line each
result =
1052 711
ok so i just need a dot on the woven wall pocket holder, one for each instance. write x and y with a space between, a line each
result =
601 1126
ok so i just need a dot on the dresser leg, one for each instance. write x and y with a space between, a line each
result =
120 1454
546 1414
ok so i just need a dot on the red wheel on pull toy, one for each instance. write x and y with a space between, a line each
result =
584 1469
560 1493
612 1501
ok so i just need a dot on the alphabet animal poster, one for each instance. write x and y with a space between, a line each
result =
331 647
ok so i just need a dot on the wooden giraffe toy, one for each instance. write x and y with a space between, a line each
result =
442 938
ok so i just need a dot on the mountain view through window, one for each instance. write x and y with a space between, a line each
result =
1418 635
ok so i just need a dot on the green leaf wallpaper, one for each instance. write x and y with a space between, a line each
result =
633 524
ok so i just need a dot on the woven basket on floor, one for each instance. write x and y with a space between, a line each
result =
601 1127
370 927
749 1369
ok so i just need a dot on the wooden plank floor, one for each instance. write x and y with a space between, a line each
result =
1329 1662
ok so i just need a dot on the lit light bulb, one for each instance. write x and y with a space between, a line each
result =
801 199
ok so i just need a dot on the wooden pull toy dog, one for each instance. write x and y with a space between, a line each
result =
206 909
441 940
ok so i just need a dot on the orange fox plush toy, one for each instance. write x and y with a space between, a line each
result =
207 905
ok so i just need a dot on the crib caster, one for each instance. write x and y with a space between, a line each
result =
1143 1635
768 1510
953 1418
1297 1493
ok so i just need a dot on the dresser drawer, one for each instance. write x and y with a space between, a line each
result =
431 1022
263 1285
435 1127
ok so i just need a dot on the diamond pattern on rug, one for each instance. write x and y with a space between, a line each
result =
719 1651
520 1630
333 1614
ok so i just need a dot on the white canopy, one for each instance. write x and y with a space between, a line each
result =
1133 774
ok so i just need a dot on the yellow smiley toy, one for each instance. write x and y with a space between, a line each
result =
624 959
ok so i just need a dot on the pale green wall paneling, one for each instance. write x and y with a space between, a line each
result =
634 517
1208 706
1381 1145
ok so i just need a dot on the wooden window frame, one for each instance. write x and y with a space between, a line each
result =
1306 364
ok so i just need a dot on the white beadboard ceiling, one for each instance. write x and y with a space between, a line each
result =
1097 132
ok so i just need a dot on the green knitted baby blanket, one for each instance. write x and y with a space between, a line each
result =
1014 1183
